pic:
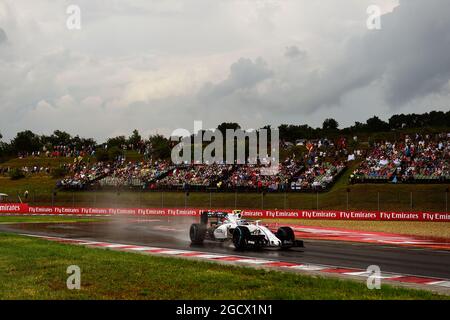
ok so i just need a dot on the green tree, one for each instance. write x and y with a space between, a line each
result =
60 138
227 125
116 142
81 143
294 132
3 147
135 138
26 141
159 147
330 124
375 124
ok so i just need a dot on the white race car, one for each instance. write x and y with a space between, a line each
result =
244 234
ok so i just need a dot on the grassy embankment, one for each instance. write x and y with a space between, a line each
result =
36 269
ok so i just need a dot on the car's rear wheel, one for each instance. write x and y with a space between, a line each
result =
287 236
197 233
241 235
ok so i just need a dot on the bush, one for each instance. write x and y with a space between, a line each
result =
16 174
114 153
59 173
101 155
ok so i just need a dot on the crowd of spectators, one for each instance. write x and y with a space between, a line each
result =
308 173
290 174
82 175
412 158
195 176
415 158
26 169
69 152
318 177
263 177
66 151
135 174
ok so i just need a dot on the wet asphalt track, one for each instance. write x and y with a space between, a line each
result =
173 233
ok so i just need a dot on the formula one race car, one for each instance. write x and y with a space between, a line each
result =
244 234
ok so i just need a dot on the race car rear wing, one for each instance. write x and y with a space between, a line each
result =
205 215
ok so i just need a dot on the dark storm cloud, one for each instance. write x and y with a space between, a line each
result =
294 52
409 56
415 49
407 59
244 74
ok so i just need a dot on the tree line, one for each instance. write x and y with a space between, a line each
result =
159 147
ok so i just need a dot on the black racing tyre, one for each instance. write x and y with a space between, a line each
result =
197 233
286 234
241 235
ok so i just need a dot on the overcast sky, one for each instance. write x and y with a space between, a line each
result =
159 65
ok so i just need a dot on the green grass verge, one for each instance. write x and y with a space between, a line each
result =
45 219
36 269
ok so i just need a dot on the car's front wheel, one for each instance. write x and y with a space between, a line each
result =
241 235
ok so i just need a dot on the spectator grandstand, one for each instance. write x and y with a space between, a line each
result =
308 165
318 177
135 174
413 158
165 176
83 175
195 176
417 158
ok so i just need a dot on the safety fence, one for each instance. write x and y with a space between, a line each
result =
401 199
